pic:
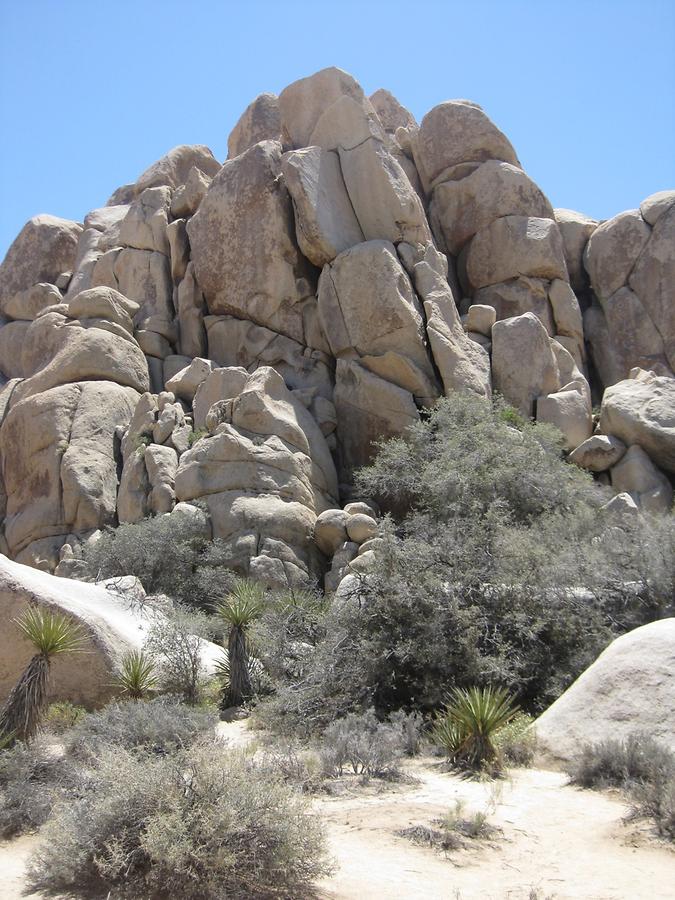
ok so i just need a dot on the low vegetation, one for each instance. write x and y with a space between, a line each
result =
638 765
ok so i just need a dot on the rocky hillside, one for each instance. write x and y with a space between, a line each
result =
239 334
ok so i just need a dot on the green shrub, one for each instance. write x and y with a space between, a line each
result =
639 759
159 725
369 747
62 716
202 824
174 646
516 742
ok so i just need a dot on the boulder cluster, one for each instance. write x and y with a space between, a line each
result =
237 336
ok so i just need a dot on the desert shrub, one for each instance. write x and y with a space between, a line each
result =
369 747
62 716
159 725
639 759
174 646
655 800
516 742
167 554
410 726
452 830
295 765
29 782
287 629
198 824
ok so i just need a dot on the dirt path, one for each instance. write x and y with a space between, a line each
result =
557 841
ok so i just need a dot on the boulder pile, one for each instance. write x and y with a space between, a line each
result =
239 334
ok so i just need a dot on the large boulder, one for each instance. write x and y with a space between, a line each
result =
642 411
173 169
244 251
493 190
455 132
576 229
613 250
629 688
513 246
260 121
59 457
523 363
44 249
111 624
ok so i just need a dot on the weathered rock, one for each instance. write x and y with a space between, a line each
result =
630 687
220 384
330 531
112 626
566 312
368 409
569 412
302 103
636 474
173 169
524 366
654 206
458 131
104 303
144 226
368 308
622 505
260 121
462 364
495 189
188 196
185 383
643 412
12 342
361 528
576 229
59 460
161 464
179 249
513 246
598 453
28 304
518 296
140 275
653 277
621 336
325 223
132 497
44 248
613 250
390 112
243 245
481 318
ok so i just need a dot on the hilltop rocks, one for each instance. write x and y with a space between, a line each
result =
630 687
44 249
260 121
173 169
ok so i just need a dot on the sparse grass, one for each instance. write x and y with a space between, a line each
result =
61 716
455 831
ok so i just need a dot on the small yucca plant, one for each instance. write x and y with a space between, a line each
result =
469 722
137 677
239 609
51 633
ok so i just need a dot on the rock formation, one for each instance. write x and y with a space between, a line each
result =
239 335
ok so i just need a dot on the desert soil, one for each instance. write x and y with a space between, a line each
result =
555 842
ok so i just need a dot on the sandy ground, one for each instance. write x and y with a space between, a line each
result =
556 842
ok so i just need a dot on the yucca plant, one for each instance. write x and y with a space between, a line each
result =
51 633
137 677
239 609
469 722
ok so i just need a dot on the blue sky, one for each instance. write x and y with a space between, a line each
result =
92 92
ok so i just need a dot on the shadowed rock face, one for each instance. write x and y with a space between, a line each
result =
341 270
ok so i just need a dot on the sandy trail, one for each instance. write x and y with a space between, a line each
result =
557 841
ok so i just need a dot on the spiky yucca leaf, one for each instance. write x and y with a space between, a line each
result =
469 722
243 604
50 632
137 677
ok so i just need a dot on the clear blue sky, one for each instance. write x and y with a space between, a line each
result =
93 91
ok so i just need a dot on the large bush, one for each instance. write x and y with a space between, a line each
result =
203 824
498 567
168 557
29 784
